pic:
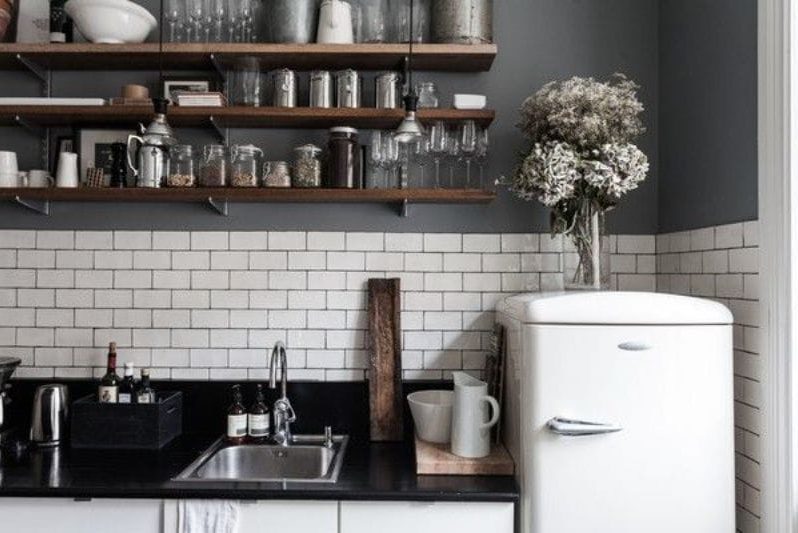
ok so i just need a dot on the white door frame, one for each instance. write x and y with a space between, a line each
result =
778 220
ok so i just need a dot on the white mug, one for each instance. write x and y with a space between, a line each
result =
470 423
9 180
67 174
335 23
8 163
39 179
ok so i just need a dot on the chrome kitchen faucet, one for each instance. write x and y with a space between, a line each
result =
283 412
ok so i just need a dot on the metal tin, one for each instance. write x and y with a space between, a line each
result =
347 88
321 91
387 90
284 88
462 21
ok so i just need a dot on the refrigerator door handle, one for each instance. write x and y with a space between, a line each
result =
579 428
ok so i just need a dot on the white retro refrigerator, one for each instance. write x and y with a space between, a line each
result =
619 412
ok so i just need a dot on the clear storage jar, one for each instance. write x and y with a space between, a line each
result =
307 166
181 166
245 166
214 167
276 174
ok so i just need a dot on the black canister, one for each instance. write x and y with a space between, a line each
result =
343 163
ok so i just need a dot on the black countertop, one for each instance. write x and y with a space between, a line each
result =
371 471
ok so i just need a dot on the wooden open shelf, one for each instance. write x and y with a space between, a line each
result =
254 195
191 56
232 117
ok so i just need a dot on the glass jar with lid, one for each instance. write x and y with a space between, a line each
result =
245 166
213 169
307 166
428 95
181 166
276 174
343 163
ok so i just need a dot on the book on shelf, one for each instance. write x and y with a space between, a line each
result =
197 99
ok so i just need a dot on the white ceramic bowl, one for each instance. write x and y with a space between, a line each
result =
111 21
432 414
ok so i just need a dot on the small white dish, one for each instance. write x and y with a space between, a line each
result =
432 414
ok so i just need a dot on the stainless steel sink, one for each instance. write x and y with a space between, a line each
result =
306 460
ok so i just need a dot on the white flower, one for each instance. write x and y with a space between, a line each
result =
548 174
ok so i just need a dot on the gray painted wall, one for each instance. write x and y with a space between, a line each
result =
708 113
539 41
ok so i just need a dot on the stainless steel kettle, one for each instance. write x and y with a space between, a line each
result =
50 415
152 152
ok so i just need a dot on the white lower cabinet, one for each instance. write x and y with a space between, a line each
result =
65 515
426 517
260 516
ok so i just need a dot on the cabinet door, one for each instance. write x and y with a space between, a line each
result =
266 516
423 517
64 515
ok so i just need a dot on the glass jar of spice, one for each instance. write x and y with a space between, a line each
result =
343 163
213 167
276 174
246 166
181 166
307 166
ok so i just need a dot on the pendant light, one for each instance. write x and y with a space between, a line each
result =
410 130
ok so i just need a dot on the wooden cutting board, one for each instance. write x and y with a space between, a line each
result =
436 459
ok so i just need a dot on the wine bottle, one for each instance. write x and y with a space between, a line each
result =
145 392
236 418
61 28
108 391
258 418
127 389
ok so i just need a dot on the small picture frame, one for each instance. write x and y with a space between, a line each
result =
172 86
95 149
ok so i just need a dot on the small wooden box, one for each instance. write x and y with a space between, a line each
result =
127 426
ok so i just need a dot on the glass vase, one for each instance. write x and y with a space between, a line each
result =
590 265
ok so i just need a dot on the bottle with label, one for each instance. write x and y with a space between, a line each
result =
236 418
127 389
258 420
145 392
108 391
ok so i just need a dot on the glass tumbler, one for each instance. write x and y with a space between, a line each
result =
247 83
371 21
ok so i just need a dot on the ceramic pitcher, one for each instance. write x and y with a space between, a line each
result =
471 419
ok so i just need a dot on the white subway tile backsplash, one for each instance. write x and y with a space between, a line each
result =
171 240
287 240
132 240
323 240
404 242
15 239
443 242
210 240
482 243
366 242
249 240
55 240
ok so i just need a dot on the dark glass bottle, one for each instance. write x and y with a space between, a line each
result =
108 390
127 389
236 418
258 420
145 392
118 165
61 27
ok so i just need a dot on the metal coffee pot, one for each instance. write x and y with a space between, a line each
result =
151 160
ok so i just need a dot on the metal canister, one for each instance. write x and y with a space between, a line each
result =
291 21
387 90
284 92
462 21
321 92
347 88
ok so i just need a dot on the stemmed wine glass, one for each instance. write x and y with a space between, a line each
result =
197 13
483 141
375 158
173 15
217 13
391 159
468 146
421 156
438 143
453 152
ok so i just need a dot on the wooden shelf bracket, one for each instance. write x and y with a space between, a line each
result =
404 211
220 206
38 131
222 133
39 206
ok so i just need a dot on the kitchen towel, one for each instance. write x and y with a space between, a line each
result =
207 516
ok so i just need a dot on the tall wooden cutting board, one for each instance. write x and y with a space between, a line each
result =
385 360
